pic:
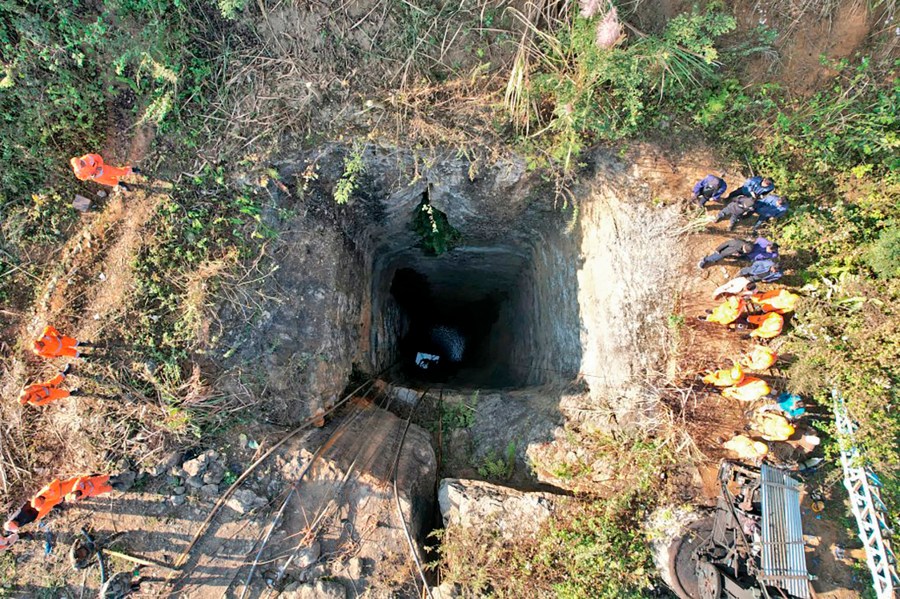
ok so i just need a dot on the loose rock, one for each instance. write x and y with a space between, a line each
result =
210 490
177 499
167 462
309 556
244 500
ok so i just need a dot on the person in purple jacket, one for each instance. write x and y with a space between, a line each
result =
709 188
763 249
754 187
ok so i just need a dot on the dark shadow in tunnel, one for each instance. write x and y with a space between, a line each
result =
447 339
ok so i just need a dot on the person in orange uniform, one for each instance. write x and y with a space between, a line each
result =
89 486
54 344
749 389
726 377
52 495
91 167
776 300
760 358
727 312
43 393
768 325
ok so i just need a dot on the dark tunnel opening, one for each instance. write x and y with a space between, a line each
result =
450 337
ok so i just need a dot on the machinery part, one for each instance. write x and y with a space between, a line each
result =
709 580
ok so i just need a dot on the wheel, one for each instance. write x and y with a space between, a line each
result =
709 581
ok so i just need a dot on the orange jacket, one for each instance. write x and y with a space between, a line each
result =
52 495
54 345
43 393
776 300
89 486
769 325
725 377
91 166
746 448
749 389
760 358
727 312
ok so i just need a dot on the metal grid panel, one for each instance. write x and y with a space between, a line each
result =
783 558
867 506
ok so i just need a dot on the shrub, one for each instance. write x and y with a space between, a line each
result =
884 255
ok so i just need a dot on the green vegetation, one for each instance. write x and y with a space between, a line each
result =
593 546
349 181
497 467
458 415
600 93
436 232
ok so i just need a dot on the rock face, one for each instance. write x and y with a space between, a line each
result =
476 504
351 483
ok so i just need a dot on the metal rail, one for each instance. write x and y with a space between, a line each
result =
867 506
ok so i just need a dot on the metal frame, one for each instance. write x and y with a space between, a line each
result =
865 501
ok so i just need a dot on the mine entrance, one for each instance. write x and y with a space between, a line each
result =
454 331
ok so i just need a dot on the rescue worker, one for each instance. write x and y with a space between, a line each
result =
760 358
726 312
91 167
735 286
791 405
754 187
89 486
709 188
735 248
768 325
746 448
776 300
763 249
769 207
24 515
54 344
772 426
735 211
52 495
749 389
726 377
44 393
765 271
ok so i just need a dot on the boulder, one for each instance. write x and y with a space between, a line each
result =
472 503
244 500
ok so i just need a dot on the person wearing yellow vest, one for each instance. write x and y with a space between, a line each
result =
746 448
760 358
772 426
767 325
727 312
725 377
776 300
749 389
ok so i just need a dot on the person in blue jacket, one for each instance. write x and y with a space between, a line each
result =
709 188
761 271
755 187
763 249
769 207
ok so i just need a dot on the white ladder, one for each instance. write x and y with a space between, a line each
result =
865 500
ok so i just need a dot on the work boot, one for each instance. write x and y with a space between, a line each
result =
67 369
